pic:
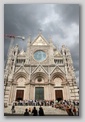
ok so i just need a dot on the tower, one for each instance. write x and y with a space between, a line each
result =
70 73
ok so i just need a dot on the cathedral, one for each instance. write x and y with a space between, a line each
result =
42 72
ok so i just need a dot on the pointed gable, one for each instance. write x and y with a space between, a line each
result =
40 40
22 53
57 69
21 69
39 68
57 54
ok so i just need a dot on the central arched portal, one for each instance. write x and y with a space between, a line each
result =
39 79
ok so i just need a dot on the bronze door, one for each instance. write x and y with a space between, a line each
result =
19 94
58 95
39 93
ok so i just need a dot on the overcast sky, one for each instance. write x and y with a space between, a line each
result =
58 21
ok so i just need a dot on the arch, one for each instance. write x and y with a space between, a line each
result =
57 81
40 75
59 75
20 74
21 81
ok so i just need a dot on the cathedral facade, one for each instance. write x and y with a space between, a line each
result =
42 72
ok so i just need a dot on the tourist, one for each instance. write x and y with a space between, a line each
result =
13 108
26 113
41 112
78 111
69 111
34 111
74 111
30 111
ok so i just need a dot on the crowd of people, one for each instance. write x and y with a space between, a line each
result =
34 102
71 107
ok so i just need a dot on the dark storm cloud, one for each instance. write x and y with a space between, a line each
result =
54 29
23 20
68 12
20 20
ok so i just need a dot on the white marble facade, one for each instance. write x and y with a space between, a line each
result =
40 72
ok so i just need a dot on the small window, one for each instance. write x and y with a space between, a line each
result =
65 52
14 52
39 79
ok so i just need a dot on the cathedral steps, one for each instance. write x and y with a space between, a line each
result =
48 110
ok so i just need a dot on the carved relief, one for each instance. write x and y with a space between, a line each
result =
21 81
57 81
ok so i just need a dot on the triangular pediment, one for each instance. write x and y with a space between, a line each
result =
57 69
40 40
39 68
22 53
57 54
21 69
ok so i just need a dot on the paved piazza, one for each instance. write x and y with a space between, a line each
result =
48 110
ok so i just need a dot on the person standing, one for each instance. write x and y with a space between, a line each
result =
34 111
41 112
13 108
78 111
74 111
30 111
26 113
69 111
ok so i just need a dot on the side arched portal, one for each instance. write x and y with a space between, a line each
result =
19 87
61 89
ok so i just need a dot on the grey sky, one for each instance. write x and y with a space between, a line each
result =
58 21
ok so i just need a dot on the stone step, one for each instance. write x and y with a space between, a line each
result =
48 110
